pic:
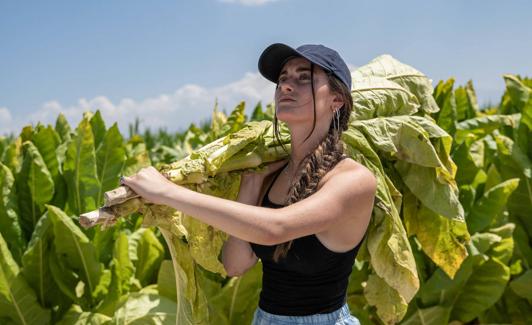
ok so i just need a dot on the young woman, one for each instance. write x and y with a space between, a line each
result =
306 216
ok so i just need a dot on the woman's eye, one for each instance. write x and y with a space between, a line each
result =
304 77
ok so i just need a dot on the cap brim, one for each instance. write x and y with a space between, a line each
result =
272 59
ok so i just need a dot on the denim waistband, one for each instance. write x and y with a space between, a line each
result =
322 319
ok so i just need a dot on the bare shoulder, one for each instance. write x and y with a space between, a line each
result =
350 165
350 168
358 185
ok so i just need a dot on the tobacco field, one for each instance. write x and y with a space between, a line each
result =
449 239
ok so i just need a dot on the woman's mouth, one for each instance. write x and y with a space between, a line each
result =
286 99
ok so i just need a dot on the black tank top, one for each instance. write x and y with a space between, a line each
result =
311 279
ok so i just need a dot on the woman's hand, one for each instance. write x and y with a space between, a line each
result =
150 184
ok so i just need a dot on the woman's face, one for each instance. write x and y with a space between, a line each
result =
293 96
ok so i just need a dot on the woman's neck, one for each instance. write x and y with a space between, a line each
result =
300 148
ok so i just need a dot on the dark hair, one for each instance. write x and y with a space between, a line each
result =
324 157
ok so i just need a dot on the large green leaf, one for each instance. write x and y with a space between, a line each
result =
392 260
512 162
399 138
146 308
35 187
218 120
18 304
166 282
192 305
482 241
236 301
503 250
490 205
378 97
68 281
440 289
39 181
74 250
98 128
517 308
391 306
442 239
47 142
522 242
429 316
469 166
13 156
80 170
122 271
409 78
437 195
36 266
172 285
481 126
204 241
110 159
103 240
76 316
63 128
9 214
137 156
235 120
146 253
258 114
484 287
518 92
446 100
522 285
387 246
478 284
466 103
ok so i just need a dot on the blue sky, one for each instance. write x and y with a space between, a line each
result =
167 61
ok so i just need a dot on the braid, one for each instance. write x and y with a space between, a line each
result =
318 163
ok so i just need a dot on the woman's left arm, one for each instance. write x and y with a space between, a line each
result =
340 197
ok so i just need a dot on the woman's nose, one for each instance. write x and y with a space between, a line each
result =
285 86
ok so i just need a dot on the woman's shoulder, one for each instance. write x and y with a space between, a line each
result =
346 165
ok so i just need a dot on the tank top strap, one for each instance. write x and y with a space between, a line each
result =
271 185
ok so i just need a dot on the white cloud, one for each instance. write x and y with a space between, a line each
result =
174 111
188 104
5 120
249 2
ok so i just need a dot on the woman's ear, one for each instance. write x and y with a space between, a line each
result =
338 102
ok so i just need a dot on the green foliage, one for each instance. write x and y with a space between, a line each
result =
449 239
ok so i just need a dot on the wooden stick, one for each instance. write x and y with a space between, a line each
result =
118 195
103 216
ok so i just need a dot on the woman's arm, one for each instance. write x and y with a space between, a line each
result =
342 196
237 256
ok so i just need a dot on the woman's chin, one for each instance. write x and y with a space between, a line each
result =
286 114
290 116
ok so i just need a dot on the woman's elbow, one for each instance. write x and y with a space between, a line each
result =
233 272
273 234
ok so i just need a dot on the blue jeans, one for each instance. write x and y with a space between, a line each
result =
339 316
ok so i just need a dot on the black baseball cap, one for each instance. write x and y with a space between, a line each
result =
273 58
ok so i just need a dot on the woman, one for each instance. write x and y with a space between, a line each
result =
309 223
